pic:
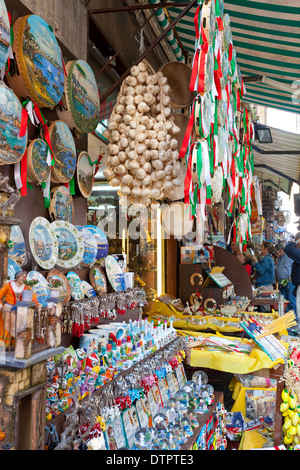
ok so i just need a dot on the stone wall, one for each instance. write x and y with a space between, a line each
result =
14 383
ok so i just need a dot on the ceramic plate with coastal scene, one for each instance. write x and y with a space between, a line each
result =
115 274
82 98
77 290
66 290
42 289
98 280
85 174
90 247
37 165
70 244
12 146
64 150
39 61
61 204
102 241
13 269
4 34
17 252
43 243
88 290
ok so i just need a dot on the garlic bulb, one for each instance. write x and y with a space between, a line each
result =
142 153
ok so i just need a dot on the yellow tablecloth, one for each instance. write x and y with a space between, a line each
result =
239 395
230 362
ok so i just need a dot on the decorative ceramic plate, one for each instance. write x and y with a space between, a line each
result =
101 240
225 69
61 204
209 69
70 244
233 66
217 185
12 146
81 100
115 274
226 33
5 42
43 243
204 114
13 269
37 165
221 143
77 291
18 251
66 289
90 247
39 60
177 220
64 150
222 108
85 174
42 289
88 290
98 280
208 16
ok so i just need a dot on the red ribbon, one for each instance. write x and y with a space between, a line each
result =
24 174
24 123
196 21
187 135
204 50
220 24
230 53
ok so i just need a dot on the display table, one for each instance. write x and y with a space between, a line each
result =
202 420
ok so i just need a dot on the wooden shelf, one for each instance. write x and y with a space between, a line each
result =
202 420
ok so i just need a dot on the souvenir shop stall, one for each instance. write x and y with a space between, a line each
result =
212 200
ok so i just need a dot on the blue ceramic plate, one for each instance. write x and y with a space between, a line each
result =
13 268
101 240
115 274
90 247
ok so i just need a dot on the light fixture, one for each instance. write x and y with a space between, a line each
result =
263 134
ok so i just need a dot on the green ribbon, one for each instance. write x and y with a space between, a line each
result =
72 186
199 164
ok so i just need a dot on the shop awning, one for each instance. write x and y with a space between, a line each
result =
266 36
281 170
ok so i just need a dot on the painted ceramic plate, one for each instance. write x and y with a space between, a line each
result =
98 280
208 15
101 240
12 146
225 69
70 244
64 150
226 33
209 69
217 185
77 291
66 290
85 174
81 98
42 289
5 41
39 61
61 204
18 251
37 165
222 141
115 274
88 290
43 243
222 108
90 247
13 269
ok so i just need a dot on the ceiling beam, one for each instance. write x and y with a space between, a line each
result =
155 6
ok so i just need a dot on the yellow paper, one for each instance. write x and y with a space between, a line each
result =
252 440
231 362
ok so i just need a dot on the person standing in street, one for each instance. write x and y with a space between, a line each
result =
283 271
292 249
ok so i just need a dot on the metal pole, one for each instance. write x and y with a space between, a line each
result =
125 74
128 41
137 7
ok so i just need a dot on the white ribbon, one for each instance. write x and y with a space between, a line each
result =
17 175
46 191
33 118
49 159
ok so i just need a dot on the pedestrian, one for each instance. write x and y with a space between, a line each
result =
283 270
265 267
292 249
265 270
